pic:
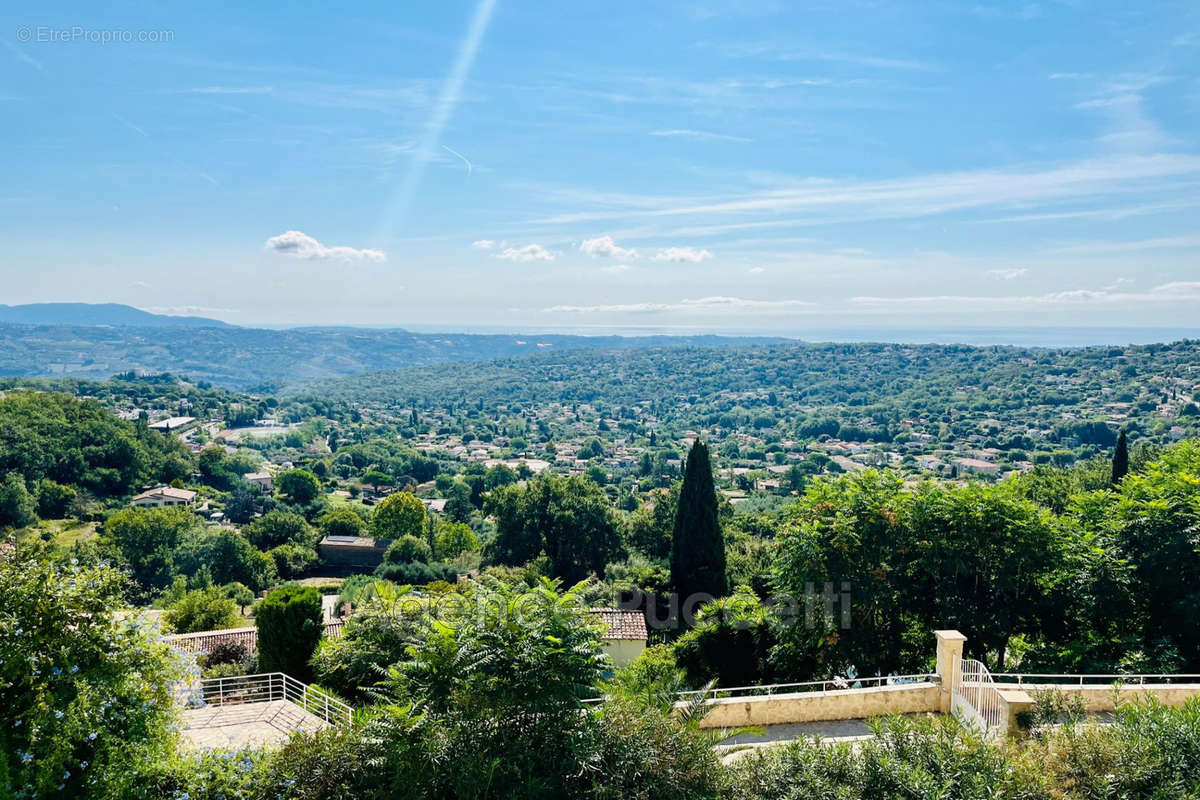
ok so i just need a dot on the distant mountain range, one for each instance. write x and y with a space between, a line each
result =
102 346
97 341
98 314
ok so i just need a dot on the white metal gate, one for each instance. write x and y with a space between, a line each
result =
976 700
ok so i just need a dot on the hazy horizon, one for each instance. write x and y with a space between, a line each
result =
1017 335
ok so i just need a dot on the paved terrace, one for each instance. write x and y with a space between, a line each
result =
236 727
248 711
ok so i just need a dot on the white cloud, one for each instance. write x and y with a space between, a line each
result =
616 268
530 252
679 254
230 90
688 133
925 195
483 244
301 245
1115 213
716 303
1132 129
756 270
605 246
1008 274
1167 293
1161 243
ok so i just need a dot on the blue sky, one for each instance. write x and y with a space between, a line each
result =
723 165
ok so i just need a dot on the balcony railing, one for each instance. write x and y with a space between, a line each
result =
1063 679
273 686
831 684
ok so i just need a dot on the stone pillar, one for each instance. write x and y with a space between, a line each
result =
949 651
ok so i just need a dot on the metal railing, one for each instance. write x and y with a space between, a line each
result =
772 689
977 699
1065 679
272 686
831 684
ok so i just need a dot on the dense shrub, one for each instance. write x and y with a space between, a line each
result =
342 522
455 538
920 758
225 652
205 609
54 500
278 528
290 624
399 514
388 619
1148 753
731 643
406 550
85 697
17 505
416 573
293 560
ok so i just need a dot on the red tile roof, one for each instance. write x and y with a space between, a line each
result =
622 624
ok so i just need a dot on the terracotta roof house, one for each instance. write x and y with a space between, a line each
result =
163 497
260 479
626 634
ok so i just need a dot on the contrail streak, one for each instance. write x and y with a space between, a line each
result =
447 101
460 155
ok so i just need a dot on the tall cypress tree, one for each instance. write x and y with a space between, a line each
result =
698 547
1120 462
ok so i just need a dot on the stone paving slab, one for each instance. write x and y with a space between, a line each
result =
235 727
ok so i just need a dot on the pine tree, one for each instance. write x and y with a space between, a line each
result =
1120 462
698 547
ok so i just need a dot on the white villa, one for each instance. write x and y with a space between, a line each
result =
163 497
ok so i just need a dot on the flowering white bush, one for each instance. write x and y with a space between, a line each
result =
86 698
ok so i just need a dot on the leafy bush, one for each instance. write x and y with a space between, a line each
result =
328 765
225 652
731 643
645 751
416 573
293 560
290 625
455 538
406 550
54 500
387 621
352 586
909 758
400 514
652 671
205 609
299 486
85 697
342 522
16 503
499 689
278 528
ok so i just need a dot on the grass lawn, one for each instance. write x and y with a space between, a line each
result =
62 533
